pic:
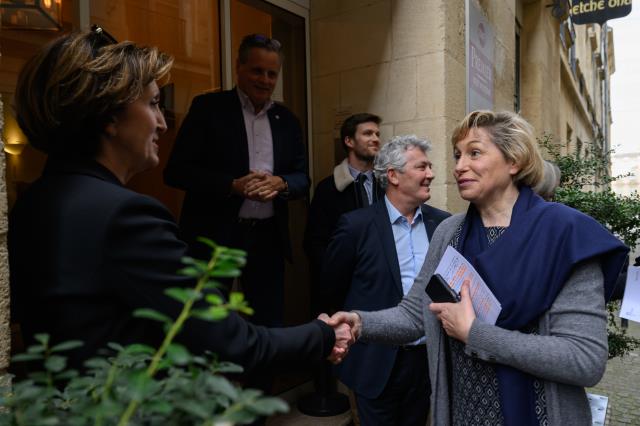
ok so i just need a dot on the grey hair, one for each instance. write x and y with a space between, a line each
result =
392 155
550 181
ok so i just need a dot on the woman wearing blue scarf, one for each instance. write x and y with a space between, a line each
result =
551 268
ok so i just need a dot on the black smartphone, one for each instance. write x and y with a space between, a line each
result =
439 290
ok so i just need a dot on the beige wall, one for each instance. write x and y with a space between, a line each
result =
401 59
405 60
552 98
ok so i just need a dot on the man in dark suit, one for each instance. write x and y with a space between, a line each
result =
239 156
351 186
371 262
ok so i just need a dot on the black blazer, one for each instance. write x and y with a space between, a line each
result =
85 252
361 267
211 150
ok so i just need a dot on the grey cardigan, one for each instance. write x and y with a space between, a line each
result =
569 353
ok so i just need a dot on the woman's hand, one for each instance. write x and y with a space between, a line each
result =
344 339
456 318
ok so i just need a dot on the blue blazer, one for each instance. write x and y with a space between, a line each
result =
361 267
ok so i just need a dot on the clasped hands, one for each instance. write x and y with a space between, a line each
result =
456 319
347 327
258 186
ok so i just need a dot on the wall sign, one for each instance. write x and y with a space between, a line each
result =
598 11
480 42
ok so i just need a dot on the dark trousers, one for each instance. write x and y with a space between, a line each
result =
262 279
405 398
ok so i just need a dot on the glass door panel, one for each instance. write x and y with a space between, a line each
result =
188 30
256 16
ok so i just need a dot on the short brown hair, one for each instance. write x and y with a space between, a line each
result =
350 125
68 92
513 135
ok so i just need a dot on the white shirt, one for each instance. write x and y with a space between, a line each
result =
260 148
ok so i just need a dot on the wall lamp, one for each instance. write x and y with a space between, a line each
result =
31 14
15 147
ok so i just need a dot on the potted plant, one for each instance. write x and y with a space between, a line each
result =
139 384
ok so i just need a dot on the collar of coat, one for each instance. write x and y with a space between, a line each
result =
341 176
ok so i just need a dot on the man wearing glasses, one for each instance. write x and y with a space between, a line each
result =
240 157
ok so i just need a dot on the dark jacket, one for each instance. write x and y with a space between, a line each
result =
361 267
85 252
334 195
211 150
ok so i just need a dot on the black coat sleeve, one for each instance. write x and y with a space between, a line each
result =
188 167
320 226
296 170
145 255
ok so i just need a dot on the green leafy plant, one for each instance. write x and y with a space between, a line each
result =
138 384
585 185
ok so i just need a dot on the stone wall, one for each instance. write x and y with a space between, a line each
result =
391 58
553 99
5 330
403 60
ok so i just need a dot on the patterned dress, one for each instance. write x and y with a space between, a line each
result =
475 396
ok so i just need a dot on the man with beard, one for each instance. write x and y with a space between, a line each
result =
350 187
371 263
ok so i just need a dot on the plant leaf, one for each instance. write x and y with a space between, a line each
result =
267 406
138 348
43 338
214 299
55 363
183 295
66 346
222 385
151 314
214 313
207 241
26 357
178 354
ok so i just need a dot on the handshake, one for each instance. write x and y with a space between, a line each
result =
347 326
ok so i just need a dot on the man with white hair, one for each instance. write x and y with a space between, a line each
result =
371 263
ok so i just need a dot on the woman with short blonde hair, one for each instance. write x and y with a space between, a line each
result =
550 267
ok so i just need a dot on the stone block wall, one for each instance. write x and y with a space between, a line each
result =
5 330
403 60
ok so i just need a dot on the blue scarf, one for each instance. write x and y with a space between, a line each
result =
527 267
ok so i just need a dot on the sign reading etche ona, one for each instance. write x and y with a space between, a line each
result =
598 11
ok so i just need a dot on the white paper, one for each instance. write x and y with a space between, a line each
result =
630 308
455 270
598 404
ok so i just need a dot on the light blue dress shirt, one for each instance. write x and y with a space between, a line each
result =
412 244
